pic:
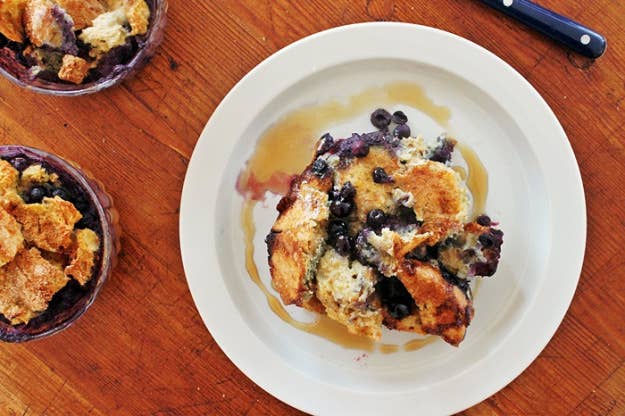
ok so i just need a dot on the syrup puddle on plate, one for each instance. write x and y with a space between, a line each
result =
279 155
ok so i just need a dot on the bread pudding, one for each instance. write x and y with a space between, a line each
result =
377 231
48 238
71 41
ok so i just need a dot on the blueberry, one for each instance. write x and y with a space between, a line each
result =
36 194
486 240
61 193
380 176
348 192
325 143
337 228
399 311
360 148
402 131
483 220
399 117
19 163
341 208
342 245
320 167
376 218
380 118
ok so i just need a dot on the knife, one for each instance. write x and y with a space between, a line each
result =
564 30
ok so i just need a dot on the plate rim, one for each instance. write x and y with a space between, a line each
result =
285 391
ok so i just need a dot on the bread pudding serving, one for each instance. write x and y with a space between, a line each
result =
377 230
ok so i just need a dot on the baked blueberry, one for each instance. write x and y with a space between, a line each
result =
380 118
340 208
380 176
399 117
320 167
483 220
325 143
376 218
402 131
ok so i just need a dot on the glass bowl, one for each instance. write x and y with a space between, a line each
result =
73 300
19 74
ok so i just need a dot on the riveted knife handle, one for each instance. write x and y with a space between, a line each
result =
561 29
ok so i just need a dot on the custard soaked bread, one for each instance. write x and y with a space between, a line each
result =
376 231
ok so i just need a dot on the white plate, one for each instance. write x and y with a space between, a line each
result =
535 191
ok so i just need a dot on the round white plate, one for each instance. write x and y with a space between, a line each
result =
535 192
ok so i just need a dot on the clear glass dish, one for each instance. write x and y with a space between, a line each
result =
73 300
20 75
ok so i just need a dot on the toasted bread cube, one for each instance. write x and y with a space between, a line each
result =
73 69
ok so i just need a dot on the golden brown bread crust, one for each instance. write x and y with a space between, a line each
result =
439 197
85 245
297 239
11 238
443 309
370 195
27 284
346 290
48 225
82 11
424 207
73 69
11 15
40 24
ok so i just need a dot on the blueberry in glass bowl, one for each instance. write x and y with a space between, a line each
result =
76 47
59 240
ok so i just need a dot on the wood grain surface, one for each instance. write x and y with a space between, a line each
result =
142 348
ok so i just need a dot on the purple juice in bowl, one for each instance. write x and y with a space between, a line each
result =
39 66
98 214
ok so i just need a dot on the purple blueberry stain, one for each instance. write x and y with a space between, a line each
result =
65 22
443 151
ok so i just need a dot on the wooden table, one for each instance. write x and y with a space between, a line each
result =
142 349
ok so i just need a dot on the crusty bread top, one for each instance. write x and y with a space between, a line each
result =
27 284
443 308
297 238
11 15
50 224
426 204
82 11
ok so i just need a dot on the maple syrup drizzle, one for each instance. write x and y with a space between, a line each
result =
279 154
281 151
476 178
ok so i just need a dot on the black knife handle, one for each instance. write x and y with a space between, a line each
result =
570 33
